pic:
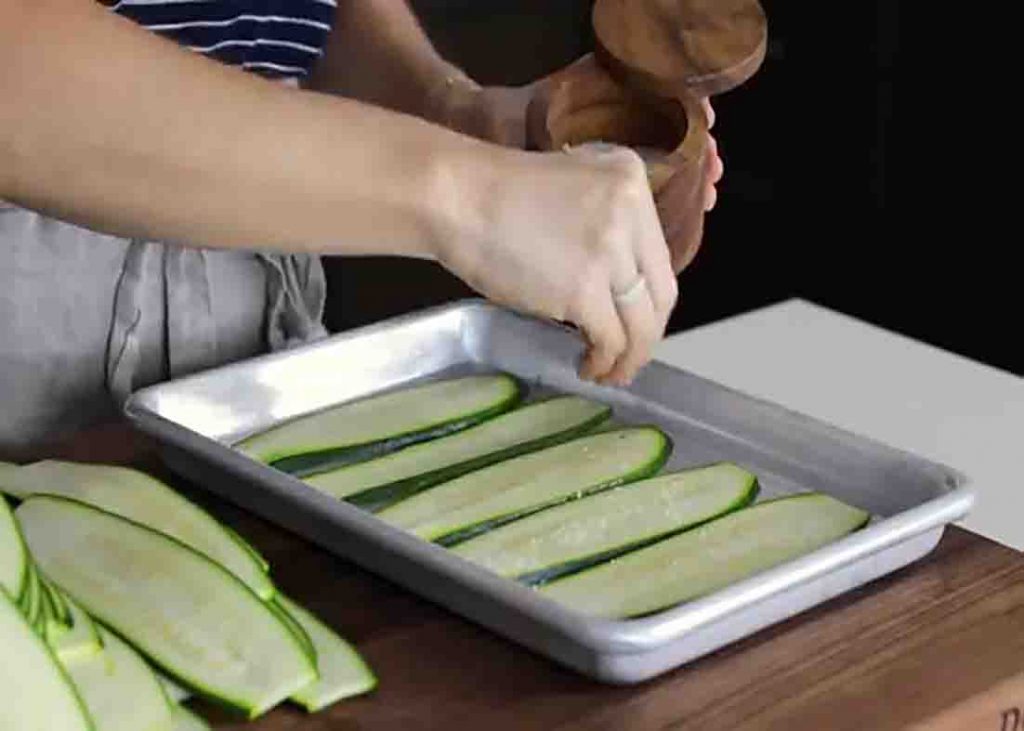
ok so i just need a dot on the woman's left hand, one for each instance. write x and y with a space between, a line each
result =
716 168
498 114
492 113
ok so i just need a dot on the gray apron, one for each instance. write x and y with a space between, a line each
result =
86 318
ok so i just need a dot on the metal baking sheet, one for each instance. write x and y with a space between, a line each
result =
196 419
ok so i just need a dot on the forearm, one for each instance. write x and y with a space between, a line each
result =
378 53
112 127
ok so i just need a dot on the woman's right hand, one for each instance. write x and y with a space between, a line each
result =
568 236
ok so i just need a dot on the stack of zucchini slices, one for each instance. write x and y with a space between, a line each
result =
550 493
121 599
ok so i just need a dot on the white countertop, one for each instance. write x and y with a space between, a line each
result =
867 380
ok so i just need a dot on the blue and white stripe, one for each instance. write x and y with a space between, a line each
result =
276 38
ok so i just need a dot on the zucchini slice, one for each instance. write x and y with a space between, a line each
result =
37 693
256 555
185 720
13 557
186 613
46 618
343 672
378 483
372 426
119 690
81 641
495 495
143 499
570 537
6 468
295 628
31 602
709 557
62 614
174 692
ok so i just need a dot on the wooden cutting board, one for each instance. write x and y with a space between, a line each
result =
939 644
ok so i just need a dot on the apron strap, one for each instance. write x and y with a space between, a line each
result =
296 293
123 350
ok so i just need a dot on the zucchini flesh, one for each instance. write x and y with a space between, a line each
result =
6 470
57 618
62 614
297 630
186 613
37 693
378 483
343 672
46 617
13 558
174 692
495 495
707 558
81 641
143 499
371 426
185 720
570 537
250 549
31 602
119 690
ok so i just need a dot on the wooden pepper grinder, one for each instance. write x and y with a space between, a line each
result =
654 61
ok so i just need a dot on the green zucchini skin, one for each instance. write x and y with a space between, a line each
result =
14 557
61 609
40 693
175 693
702 560
144 499
294 627
32 600
343 671
315 463
249 548
81 641
119 689
674 503
186 720
648 470
383 496
511 489
47 612
100 584
306 461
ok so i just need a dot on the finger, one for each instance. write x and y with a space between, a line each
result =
709 111
654 261
643 330
710 198
716 168
663 287
602 326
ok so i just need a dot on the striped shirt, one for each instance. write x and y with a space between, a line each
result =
274 38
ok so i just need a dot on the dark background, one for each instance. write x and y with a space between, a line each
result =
850 173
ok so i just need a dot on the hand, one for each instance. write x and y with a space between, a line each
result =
560 235
584 101
491 113
715 166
